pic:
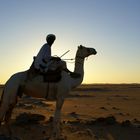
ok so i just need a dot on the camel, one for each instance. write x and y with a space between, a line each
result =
50 91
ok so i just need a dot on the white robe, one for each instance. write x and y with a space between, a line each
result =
44 54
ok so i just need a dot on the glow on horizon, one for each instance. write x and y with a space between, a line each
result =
111 27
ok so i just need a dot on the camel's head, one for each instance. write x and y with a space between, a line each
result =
85 52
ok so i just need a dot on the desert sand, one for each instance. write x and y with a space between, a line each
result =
91 112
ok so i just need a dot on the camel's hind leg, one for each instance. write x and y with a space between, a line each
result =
6 107
7 119
6 116
3 110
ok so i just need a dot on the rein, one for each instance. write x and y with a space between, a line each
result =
74 59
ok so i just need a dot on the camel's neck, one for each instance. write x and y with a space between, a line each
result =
79 65
79 68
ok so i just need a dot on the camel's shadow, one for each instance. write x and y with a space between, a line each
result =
28 126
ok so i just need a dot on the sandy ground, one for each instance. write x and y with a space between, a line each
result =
91 112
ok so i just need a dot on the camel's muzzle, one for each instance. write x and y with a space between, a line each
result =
93 51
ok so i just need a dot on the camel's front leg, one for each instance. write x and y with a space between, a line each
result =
57 118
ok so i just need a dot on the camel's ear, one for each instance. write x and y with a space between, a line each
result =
80 47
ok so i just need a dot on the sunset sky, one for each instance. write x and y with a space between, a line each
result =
112 27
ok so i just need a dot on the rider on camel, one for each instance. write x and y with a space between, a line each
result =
43 58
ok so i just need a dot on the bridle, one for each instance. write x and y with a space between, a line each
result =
77 56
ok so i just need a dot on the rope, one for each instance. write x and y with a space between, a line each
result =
69 59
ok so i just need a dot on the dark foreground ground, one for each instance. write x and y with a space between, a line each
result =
91 112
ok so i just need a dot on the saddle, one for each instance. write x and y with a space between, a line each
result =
52 75
49 76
